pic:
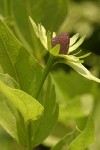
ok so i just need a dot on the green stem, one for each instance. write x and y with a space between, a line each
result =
27 136
45 73
8 6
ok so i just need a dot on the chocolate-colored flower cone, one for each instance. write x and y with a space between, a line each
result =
62 39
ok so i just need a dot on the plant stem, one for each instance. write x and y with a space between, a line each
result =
7 7
44 75
27 136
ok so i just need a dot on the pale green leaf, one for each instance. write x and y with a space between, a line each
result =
54 34
76 107
71 58
7 143
28 106
85 138
40 32
9 113
66 140
73 101
77 140
76 45
85 55
16 61
55 50
82 70
73 39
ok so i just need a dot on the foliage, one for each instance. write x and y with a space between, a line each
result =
59 110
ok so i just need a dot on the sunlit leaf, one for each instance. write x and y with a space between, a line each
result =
76 45
9 113
16 61
85 138
63 144
28 106
55 50
73 39
82 70
40 32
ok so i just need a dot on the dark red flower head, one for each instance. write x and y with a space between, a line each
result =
62 39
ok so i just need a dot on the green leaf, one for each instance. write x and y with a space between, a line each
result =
6 142
21 65
9 113
77 140
16 61
28 106
82 71
66 140
73 101
40 32
76 45
5 78
76 107
20 22
84 139
55 50
73 39
41 128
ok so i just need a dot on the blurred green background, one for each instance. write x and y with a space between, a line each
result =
77 96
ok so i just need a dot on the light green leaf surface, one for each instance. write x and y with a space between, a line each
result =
10 119
55 50
76 45
66 140
74 101
85 138
73 39
28 106
21 65
39 11
77 140
16 61
82 71
40 32
7 143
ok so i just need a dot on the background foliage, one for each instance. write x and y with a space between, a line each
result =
77 96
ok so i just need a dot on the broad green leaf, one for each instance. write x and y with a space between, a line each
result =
67 87
39 12
5 78
76 107
9 116
16 61
73 99
96 118
82 70
28 106
43 127
21 65
7 143
63 144
84 139
77 140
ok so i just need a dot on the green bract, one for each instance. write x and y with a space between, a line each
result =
70 59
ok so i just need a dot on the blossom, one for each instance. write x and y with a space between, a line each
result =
70 56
